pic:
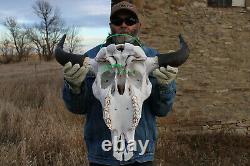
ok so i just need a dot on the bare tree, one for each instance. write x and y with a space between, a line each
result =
6 51
18 36
72 40
37 41
46 34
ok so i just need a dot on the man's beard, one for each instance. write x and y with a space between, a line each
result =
123 39
128 38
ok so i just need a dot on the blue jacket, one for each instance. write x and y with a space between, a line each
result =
95 131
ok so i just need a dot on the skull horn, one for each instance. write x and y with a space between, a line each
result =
177 58
64 57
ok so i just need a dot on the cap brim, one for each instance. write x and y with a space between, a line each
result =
122 10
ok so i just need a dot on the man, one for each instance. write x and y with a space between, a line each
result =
79 99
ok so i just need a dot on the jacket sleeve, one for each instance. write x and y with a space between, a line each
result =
162 97
77 103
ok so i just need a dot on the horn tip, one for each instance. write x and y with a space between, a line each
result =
64 36
181 37
61 42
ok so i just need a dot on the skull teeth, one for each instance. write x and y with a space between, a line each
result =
109 126
134 98
135 122
106 113
107 101
136 114
108 120
135 105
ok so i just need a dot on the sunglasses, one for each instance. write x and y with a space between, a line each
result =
128 21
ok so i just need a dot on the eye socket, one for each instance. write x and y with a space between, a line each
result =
107 78
135 78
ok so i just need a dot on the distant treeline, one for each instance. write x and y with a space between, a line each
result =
40 39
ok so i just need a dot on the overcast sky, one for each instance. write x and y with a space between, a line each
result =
92 16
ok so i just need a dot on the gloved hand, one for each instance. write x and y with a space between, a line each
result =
165 75
75 75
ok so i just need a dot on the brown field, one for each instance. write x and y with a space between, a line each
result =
36 128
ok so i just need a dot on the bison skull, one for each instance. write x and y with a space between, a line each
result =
121 85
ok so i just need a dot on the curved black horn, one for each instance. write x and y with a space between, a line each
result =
177 58
64 57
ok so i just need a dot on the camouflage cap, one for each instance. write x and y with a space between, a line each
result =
124 5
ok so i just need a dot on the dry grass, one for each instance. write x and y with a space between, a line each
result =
203 149
36 129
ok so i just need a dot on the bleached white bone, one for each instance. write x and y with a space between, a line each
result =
121 85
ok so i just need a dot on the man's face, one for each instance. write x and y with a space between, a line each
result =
125 23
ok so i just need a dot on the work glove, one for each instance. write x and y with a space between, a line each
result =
74 75
165 75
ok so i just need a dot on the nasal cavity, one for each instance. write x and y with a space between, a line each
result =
120 48
121 89
121 81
